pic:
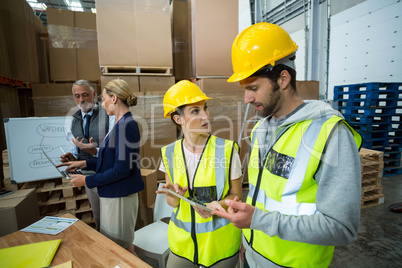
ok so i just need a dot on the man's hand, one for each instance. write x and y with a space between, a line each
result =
240 214
67 157
206 214
86 147
77 180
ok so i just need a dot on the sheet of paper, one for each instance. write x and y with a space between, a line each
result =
50 225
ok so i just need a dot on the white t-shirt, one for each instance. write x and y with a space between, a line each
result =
192 160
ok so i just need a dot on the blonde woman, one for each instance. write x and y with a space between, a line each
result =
118 177
205 168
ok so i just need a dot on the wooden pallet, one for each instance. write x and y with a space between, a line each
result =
371 160
6 174
372 195
5 157
136 70
372 166
57 197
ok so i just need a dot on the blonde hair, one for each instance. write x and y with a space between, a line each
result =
120 88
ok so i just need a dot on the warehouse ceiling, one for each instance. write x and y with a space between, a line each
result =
40 6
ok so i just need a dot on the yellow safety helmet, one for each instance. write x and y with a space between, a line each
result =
257 46
182 93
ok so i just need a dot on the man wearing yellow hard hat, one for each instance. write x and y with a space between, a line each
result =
304 172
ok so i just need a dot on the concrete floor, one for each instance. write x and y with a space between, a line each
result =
380 234
379 243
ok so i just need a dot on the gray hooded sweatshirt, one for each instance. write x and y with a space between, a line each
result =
338 194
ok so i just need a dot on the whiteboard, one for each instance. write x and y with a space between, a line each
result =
25 137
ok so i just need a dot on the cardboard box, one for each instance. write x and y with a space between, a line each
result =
205 20
60 17
219 85
18 210
62 47
19 41
73 47
132 81
47 90
134 33
117 31
181 31
63 64
217 21
88 64
156 83
85 20
87 46
145 216
308 90
154 35
148 195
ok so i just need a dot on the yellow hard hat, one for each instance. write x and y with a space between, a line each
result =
259 45
182 93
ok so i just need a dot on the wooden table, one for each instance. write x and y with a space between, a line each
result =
81 244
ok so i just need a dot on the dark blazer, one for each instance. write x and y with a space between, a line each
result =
117 167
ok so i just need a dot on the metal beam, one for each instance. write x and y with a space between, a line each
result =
313 51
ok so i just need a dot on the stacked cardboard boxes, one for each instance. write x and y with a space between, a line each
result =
9 107
140 52
203 33
20 48
73 48
134 33
19 41
55 99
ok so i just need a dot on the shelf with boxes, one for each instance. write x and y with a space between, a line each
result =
57 197
375 111
372 166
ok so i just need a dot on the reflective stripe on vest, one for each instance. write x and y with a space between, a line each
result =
287 209
204 227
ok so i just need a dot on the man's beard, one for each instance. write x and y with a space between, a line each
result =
273 102
86 106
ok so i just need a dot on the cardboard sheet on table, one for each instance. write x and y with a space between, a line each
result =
68 264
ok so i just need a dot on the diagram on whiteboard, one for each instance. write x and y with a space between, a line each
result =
49 133
26 137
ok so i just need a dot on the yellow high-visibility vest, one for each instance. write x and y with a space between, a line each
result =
285 184
202 241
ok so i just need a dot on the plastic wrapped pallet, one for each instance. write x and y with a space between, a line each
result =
134 33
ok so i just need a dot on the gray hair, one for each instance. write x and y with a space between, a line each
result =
84 83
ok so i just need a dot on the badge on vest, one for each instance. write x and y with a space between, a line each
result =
205 194
279 164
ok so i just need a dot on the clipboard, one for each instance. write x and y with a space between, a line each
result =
191 202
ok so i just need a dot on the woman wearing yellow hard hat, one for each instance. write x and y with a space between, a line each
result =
205 169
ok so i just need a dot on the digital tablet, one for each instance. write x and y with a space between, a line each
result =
191 202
